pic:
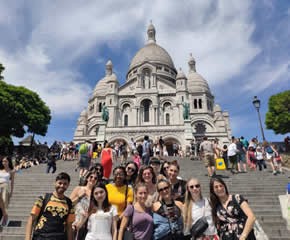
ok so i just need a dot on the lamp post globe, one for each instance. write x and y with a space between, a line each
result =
257 105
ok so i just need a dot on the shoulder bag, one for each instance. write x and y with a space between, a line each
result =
200 226
128 234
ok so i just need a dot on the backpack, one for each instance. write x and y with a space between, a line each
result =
83 148
269 150
45 202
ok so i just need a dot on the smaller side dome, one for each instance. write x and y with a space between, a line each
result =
217 108
195 83
180 74
112 78
102 87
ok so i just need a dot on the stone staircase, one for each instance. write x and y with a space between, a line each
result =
260 188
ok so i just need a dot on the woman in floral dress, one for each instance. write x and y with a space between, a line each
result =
232 215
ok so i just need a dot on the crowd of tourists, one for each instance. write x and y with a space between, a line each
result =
144 195
142 198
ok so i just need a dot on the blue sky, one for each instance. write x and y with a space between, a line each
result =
59 49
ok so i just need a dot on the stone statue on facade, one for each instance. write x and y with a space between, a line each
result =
185 111
105 113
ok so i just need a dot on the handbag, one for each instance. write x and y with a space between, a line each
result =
199 227
128 235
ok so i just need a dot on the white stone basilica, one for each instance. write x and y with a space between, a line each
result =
152 102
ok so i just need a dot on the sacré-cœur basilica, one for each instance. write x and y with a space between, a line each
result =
156 100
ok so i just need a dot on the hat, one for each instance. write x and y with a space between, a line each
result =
154 160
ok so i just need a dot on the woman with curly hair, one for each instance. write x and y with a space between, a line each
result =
80 197
119 193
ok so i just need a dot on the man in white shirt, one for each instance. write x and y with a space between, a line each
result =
232 155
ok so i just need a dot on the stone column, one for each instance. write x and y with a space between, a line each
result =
137 116
138 80
153 79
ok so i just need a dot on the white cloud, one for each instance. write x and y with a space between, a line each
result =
268 75
57 35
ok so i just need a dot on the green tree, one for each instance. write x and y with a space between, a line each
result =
278 115
22 111
2 68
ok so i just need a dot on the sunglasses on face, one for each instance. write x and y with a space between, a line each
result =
98 169
163 189
165 168
93 177
197 186
131 169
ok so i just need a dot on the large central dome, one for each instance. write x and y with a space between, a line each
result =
151 52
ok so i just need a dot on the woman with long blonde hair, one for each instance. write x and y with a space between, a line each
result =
196 207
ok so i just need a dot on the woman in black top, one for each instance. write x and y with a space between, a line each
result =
178 185
167 216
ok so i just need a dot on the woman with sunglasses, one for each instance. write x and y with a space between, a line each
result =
167 214
196 207
147 176
138 216
132 173
119 193
99 170
232 215
178 185
80 198
102 216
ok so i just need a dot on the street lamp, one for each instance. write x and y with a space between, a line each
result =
257 104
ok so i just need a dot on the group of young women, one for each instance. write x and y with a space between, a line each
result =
159 206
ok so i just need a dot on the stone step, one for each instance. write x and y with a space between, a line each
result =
263 199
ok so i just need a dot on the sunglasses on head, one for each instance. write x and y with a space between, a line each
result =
194 186
163 189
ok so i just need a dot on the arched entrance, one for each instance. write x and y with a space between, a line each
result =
169 145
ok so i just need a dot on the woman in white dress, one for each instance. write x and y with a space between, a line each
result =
102 216
6 179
